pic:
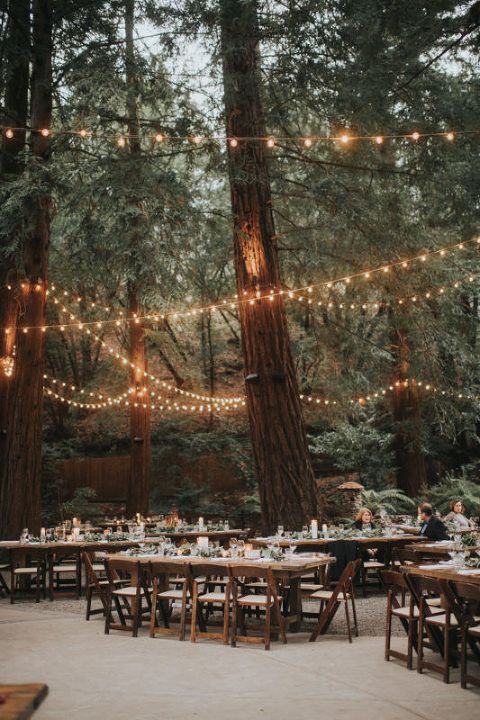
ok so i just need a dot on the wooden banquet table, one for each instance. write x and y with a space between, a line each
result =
383 543
289 570
439 549
444 573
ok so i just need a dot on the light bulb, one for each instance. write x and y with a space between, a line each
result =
9 133
233 142
379 139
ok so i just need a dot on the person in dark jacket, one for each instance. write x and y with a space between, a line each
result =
364 519
432 527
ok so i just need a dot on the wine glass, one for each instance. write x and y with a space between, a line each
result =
240 547
233 547
280 530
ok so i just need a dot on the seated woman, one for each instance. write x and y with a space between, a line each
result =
364 519
456 515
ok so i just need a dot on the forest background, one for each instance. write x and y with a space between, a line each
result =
140 216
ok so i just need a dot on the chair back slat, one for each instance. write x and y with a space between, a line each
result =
208 570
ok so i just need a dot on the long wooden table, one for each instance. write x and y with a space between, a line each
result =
439 549
289 571
444 572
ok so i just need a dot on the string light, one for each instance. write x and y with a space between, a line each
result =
232 302
270 141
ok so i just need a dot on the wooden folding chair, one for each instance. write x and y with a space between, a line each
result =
407 612
62 564
163 596
241 577
204 577
438 627
330 601
28 565
468 597
128 599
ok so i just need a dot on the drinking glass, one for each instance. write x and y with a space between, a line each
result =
24 535
234 547
280 530
240 547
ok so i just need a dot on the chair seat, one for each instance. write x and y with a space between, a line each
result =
441 619
128 591
64 568
475 631
434 602
257 584
373 565
327 594
255 600
25 571
310 587
404 612
171 595
4 567
98 567
212 597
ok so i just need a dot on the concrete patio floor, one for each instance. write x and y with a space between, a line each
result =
117 677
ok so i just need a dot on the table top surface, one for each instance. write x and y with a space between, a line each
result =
286 542
444 572
439 548
288 564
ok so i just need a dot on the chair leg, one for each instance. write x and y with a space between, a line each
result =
233 641
411 628
136 612
226 618
193 621
153 610
268 626
463 656
354 611
183 618
347 617
88 593
421 629
388 629
446 649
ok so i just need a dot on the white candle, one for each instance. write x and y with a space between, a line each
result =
314 529
202 542
142 527
42 534
138 517
200 523
76 534
324 530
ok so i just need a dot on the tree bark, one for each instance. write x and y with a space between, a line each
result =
406 408
284 471
20 491
11 166
140 430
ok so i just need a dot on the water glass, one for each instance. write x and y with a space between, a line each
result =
280 530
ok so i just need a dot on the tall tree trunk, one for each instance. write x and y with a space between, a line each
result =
11 166
284 471
406 408
20 493
140 431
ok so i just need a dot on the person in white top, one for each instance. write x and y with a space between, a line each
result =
456 515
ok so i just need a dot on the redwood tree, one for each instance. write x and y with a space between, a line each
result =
14 113
140 442
20 494
283 466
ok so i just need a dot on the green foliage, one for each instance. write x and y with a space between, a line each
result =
80 505
390 500
359 447
454 488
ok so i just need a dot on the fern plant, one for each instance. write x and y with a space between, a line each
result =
389 500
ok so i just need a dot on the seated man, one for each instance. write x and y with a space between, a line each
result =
432 527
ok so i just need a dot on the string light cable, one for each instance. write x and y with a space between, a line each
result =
234 302
344 137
